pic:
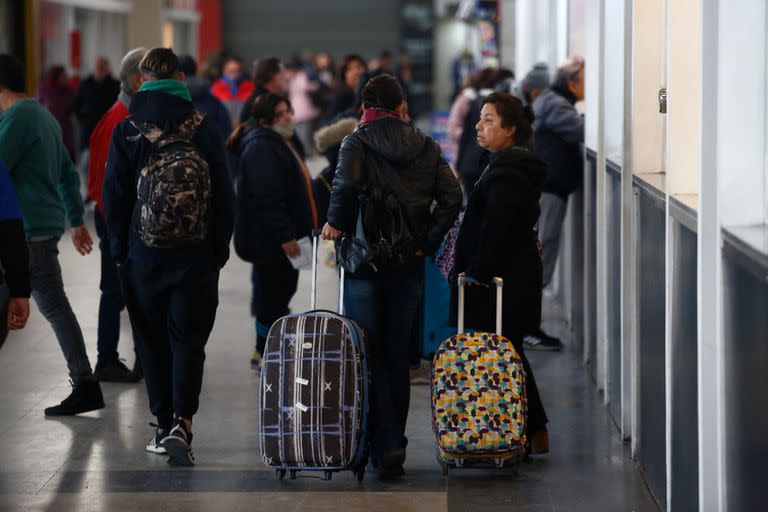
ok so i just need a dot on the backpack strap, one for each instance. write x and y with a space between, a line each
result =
190 125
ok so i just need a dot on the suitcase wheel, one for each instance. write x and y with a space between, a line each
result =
327 475
292 474
280 473
359 473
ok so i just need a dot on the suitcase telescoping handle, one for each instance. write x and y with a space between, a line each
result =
315 249
499 282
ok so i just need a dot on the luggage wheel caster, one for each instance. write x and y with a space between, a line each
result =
280 473
292 474
327 475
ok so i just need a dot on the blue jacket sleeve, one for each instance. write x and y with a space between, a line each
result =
119 195
13 247
562 119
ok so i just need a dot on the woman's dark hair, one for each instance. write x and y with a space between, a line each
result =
265 70
382 91
55 73
262 113
513 113
159 64
482 79
348 60
11 73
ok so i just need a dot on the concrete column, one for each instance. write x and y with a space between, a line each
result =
145 24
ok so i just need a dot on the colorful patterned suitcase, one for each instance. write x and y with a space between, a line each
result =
314 393
479 406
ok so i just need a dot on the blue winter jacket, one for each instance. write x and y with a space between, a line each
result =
559 133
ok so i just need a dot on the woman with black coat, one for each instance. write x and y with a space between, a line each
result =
274 209
498 238
384 299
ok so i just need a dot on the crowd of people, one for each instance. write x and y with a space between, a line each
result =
178 164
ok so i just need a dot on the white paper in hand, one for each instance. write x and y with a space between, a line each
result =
304 259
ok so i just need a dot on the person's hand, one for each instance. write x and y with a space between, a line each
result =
291 248
419 253
18 313
330 232
82 240
471 281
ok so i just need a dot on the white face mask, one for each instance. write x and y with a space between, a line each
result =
285 130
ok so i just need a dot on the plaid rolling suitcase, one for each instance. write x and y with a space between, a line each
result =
314 393
479 406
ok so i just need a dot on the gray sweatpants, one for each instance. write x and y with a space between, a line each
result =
550 228
48 293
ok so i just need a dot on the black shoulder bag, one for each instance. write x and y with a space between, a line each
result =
383 238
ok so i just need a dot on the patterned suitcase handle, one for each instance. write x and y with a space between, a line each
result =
499 282
313 299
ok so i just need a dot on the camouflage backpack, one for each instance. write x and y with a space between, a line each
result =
174 187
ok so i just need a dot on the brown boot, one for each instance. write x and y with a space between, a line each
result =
538 444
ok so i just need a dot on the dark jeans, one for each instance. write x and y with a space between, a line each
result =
386 309
172 309
274 285
48 293
111 302
417 331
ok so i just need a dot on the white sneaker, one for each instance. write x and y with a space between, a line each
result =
154 445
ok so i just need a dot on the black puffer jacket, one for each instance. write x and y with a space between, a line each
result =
497 238
272 205
415 166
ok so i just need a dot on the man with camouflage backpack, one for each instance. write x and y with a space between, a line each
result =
168 203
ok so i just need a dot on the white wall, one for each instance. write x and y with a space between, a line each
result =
683 76
741 110
647 77
592 86
613 90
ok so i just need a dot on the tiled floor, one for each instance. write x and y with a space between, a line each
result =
97 462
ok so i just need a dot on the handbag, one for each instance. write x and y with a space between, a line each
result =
382 238
447 257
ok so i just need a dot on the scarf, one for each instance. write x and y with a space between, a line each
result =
125 99
374 113
167 86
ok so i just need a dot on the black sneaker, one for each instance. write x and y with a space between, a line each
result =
86 396
155 444
390 466
542 341
178 444
114 370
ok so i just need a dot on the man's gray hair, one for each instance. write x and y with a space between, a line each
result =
567 71
129 67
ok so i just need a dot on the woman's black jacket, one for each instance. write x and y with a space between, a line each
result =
272 203
498 238
423 183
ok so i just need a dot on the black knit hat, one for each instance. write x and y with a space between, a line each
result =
382 91
12 73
